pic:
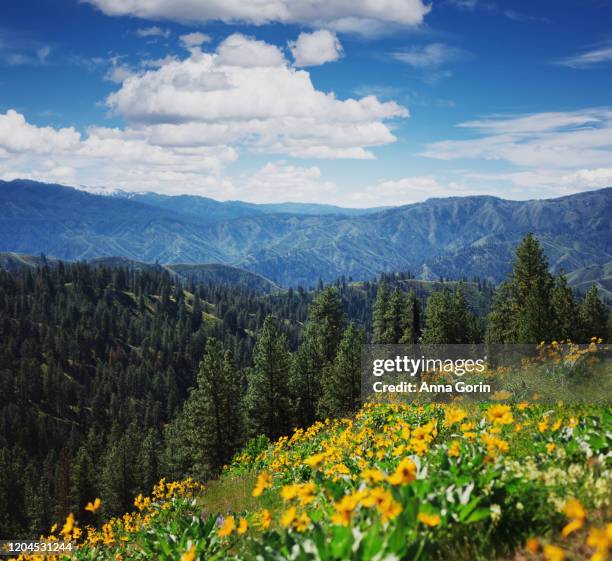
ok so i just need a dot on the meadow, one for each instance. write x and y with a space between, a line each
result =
394 481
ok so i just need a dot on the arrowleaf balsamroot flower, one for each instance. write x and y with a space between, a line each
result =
576 514
93 506
264 481
190 554
553 553
500 415
431 520
243 526
405 473
453 416
228 526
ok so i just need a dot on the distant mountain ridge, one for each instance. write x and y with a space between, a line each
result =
453 237
213 210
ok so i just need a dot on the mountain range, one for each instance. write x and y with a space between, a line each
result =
296 244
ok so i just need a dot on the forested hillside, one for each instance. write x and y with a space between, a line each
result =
114 377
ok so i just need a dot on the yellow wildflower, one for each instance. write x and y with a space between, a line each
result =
553 553
315 460
574 510
405 473
372 476
92 507
243 526
190 554
431 520
344 510
66 530
264 481
500 415
228 526
454 450
265 519
453 416
288 517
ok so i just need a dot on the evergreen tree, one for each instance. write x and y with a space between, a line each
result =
322 335
211 425
448 320
565 311
525 315
267 398
395 318
412 329
593 316
341 385
379 314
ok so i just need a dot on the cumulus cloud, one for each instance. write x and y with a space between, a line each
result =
574 139
589 59
361 16
412 189
247 52
278 182
245 92
50 154
313 49
153 31
195 39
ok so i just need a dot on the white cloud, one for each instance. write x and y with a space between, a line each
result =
589 59
464 4
43 54
278 182
195 39
118 73
246 52
247 93
318 47
429 56
544 183
18 136
112 157
362 16
407 190
574 139
153 31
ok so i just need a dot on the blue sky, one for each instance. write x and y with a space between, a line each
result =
356 103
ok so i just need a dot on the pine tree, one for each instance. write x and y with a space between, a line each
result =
500 328
593 316
267 398
565 311
341 385
412 329
211 425
448 320
438 318
379 314
317 351
395 319
525 315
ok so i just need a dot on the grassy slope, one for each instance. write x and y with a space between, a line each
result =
473 488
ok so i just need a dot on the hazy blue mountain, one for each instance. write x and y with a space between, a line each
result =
210 210
453 237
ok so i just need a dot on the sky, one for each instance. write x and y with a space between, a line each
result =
357 103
